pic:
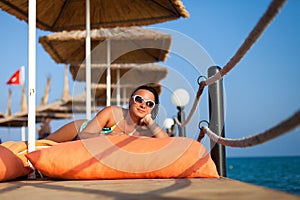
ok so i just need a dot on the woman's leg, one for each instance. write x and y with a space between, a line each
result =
67 132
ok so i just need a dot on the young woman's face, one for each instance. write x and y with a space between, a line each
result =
142 103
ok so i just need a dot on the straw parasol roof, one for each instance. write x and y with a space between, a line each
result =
130 74
127 45
66 104
21 118
130 77
58 15
77 103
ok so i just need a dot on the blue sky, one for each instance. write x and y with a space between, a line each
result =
262 90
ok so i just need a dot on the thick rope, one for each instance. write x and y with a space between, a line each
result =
280 129
264 21
196 101
273 9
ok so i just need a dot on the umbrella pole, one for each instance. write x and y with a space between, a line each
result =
32 75
118 87
23 103
124 97
88 61
23 133
108 77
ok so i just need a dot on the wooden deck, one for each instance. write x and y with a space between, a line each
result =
222 188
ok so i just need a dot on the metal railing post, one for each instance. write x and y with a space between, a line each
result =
216 122
181 118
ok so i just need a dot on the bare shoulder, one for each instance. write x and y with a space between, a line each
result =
112 111
118 111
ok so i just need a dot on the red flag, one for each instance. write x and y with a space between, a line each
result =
16 78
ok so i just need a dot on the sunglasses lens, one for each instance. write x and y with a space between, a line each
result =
150 104
138 99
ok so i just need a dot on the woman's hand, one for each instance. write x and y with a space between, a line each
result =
155 129
147 120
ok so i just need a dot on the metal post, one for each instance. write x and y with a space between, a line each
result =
181 118
216 124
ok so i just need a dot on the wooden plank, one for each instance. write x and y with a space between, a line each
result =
222 188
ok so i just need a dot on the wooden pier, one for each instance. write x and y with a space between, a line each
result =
197 188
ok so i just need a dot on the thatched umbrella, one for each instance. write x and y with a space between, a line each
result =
21 119
123 76
127 45
66 104
61 15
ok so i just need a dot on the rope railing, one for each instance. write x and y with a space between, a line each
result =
264 21
280 129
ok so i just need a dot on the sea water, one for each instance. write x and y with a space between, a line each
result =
279 173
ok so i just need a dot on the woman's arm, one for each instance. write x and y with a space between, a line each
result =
94 127
67 132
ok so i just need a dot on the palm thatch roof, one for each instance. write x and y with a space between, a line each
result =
58 15
127 45
21 118
130 77
69 105
130 74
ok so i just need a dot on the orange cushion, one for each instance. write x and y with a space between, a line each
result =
11 166
116 157
19 148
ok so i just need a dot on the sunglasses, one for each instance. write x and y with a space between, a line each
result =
138 99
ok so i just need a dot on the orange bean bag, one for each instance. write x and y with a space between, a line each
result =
119 157
19 148
11 166
13 163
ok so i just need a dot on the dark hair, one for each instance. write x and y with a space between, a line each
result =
156 98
